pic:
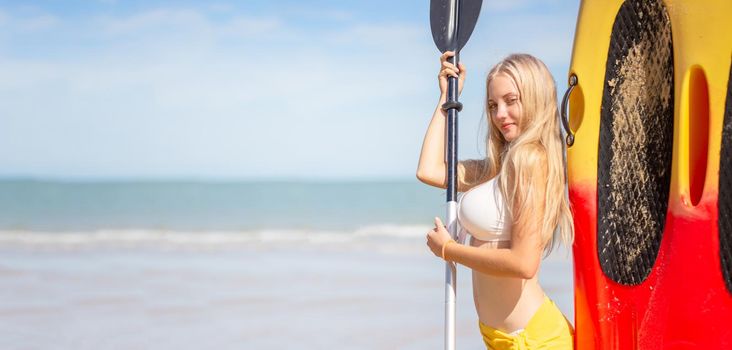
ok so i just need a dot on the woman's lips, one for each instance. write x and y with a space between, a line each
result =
506 126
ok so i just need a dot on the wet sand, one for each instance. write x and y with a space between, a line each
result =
363 294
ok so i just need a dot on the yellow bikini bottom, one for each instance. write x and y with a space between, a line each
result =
547 329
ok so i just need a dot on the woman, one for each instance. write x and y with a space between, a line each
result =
512 202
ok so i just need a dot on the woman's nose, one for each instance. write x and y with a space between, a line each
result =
501 112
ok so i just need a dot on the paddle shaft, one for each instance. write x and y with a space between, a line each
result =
452 134
451 162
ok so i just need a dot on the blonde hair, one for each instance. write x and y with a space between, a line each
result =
539 145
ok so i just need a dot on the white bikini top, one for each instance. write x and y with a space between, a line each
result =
482 212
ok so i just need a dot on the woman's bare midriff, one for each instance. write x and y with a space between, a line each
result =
504 303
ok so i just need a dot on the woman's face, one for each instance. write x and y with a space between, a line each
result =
504 106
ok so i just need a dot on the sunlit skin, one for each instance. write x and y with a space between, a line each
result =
504 106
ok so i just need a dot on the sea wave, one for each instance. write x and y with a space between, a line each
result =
386 234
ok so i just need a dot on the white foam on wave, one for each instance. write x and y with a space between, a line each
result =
402 231
167 239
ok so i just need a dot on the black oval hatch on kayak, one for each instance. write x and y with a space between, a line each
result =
636 141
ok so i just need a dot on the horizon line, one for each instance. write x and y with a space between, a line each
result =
203 179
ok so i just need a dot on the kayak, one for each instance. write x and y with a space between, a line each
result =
650 174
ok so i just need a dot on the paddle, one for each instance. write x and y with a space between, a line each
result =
452 22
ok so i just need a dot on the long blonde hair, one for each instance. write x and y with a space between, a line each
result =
539 134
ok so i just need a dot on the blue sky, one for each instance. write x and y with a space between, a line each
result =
243 90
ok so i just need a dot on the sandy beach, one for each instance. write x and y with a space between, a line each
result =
194 291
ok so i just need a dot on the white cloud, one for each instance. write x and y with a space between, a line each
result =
378 34
37 23
515 5
324 14
249 26
168 30
32 23
153 19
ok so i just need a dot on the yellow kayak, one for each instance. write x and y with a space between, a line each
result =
650 174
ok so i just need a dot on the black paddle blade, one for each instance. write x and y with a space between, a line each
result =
452 22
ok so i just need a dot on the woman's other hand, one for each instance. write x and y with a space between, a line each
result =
448 69
438 237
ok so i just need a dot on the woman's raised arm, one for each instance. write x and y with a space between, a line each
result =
431 168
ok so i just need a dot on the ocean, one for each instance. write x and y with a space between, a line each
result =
222 206
230 265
